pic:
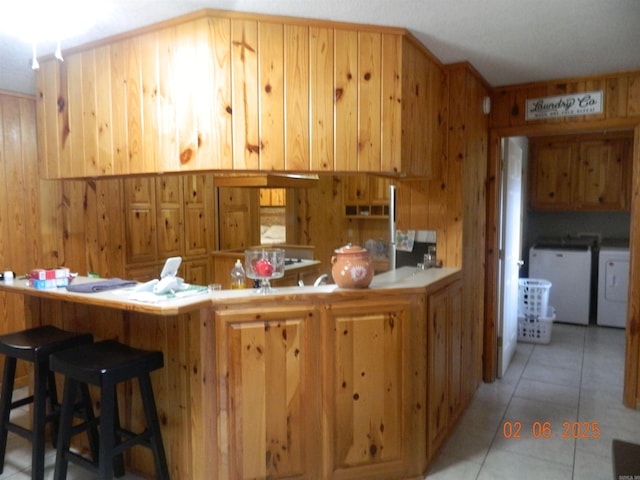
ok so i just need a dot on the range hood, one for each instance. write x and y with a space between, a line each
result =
267 180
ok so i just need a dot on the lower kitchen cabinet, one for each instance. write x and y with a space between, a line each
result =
267 369
341 387
445 377
367 410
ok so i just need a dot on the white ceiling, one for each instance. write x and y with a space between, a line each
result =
507 41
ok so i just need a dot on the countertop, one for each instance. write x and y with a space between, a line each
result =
406 278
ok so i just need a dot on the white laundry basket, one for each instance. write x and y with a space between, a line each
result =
533 296
536 328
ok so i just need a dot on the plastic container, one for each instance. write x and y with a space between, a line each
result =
533 296
536 328
238 276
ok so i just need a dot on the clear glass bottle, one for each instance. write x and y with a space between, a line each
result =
238 276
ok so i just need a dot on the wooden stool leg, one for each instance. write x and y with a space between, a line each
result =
8 378
151 414
64 434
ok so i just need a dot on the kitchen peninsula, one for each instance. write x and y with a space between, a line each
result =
308 382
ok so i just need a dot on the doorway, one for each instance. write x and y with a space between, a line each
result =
513 159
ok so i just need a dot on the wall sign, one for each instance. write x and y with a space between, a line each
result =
587 103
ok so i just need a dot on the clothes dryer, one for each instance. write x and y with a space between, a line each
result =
613 286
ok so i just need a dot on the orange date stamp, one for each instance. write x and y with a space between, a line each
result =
567 430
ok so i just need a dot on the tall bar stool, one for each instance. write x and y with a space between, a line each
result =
34 345
105 364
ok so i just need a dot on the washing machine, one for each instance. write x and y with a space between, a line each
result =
613 286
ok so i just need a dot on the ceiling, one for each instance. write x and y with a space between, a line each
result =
507 41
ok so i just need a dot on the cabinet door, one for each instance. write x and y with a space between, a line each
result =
141 241
378 190
170 215
437 378
456 333
553 175
269 393
366 375
604 174
198 214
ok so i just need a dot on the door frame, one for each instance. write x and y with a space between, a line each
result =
494 180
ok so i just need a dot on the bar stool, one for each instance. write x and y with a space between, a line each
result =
34 345
105 364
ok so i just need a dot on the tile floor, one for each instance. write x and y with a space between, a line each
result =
577 377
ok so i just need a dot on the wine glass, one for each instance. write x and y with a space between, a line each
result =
264 264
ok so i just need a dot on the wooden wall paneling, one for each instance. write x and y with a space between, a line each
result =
110 216
170 221
346 100
91 230
633 96
221 141
150 90
85 161
54 115
177 141
415 97
119 148
74 94
134 105
369 106
14 250
271 57
189 69
456 165
204 403
102 164
631 391
474 231
321 86
171 334
73 214
391 98
244 58
297 114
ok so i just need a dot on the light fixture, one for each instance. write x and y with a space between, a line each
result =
41 22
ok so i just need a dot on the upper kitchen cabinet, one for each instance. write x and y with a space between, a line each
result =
589 173
221 91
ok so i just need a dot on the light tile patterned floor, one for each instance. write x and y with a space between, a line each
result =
576 378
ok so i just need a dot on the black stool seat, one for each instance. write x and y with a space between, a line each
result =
34 345
105 364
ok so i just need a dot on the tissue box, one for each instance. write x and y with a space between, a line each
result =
49 277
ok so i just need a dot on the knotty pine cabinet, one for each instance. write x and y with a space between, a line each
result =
227 91
166 216
267 364
367 379
585 173
366 196
446 352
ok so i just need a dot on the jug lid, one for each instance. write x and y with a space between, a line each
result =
349 248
